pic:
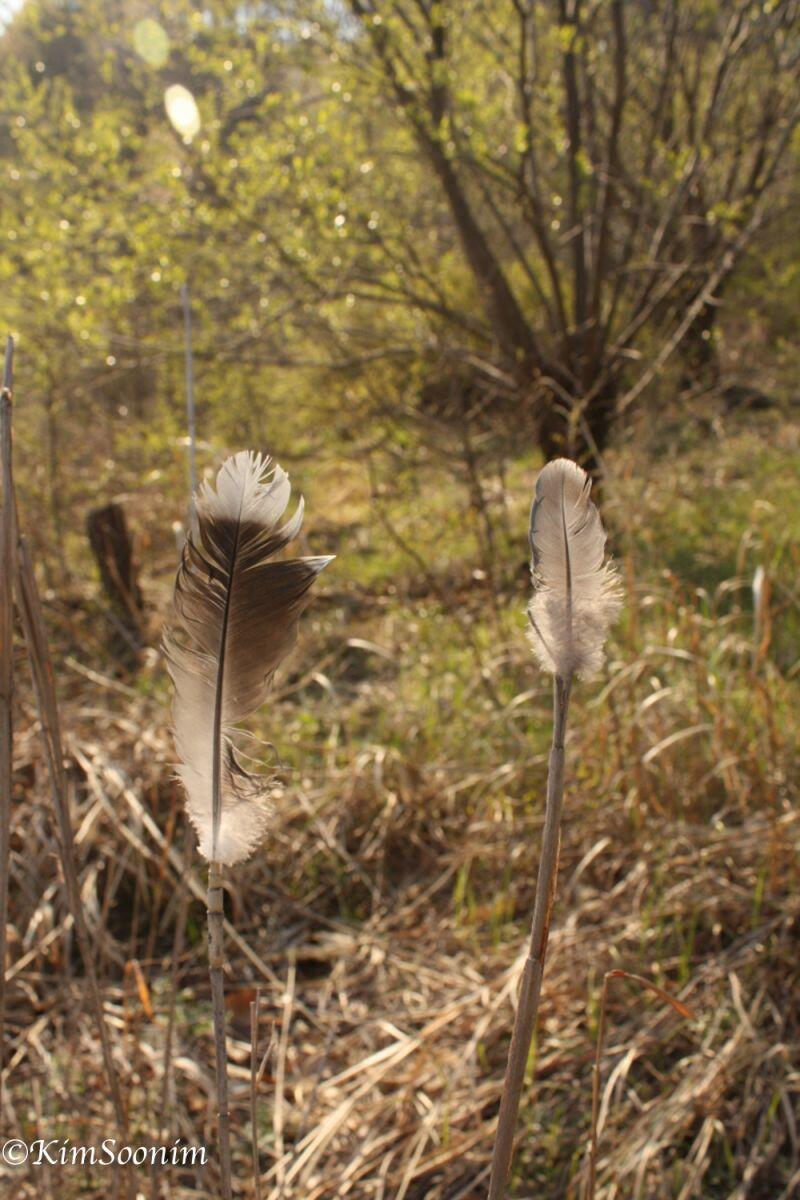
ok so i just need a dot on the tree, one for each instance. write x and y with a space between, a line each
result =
604 166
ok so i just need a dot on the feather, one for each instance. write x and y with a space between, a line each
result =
576 594
236 615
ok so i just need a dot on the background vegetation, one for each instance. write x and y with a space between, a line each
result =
426 244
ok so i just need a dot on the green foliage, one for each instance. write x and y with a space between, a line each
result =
318 215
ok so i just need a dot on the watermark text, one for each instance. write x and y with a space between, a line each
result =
63 1152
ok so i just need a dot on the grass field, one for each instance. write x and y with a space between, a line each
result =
384 920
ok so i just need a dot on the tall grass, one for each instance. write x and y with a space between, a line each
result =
18 576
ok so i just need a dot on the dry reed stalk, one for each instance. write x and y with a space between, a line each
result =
533 971
280 1073
6 674
254 1094
44 685
177 951
216 967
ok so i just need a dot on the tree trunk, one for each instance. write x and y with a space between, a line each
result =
575 428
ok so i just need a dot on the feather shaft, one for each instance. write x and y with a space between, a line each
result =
216 765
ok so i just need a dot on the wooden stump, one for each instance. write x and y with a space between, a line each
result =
112 547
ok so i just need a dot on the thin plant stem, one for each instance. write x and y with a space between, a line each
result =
531 986
254 1094
601 1037
216 963
215 908
190 417
44 684
6 676
177 951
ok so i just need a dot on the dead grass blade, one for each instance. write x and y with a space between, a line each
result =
6 675
256 1073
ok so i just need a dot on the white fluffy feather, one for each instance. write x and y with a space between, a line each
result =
576 593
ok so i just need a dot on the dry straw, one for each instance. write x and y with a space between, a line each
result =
236 615
576 596
6 672
680 1008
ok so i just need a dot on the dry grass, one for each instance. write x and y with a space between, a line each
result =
380 921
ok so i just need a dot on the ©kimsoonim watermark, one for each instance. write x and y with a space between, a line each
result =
61 1152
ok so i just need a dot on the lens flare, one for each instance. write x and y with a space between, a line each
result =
151 42
182 110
